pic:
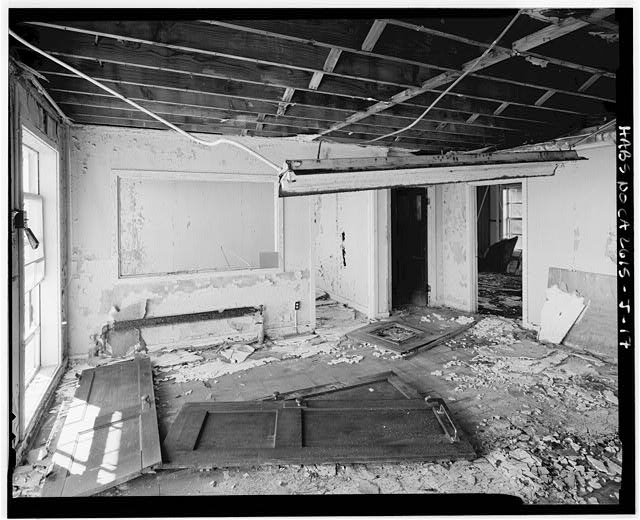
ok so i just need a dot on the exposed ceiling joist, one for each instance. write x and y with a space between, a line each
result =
374 34
386 72
545 97
589 82
523 44
305 76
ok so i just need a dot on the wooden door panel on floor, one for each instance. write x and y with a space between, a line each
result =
110 434
313 432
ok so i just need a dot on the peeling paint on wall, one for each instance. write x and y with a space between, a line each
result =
95 288
453 242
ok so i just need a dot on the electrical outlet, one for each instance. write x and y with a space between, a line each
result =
297 306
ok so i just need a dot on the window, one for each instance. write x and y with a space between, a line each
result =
171 226
512 213
41 347
33 262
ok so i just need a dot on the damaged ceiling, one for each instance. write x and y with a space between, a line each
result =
343 80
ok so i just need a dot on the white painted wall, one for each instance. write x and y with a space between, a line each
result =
342 265
94 285
571 222
454 248
354 270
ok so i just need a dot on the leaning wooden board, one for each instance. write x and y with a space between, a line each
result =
313 432
110 434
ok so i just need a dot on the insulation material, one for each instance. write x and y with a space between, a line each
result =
559 313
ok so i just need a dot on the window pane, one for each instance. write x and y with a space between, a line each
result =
31 356
515 227
515 210
515 194
31 311
30 173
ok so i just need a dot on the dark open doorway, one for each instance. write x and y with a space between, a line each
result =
409 246
499 227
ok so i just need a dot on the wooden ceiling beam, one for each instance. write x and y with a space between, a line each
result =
384 73
524 53
374 35
539 14
589 82
453 104
523 44
105 102
306 101
545 97
110 53
273 32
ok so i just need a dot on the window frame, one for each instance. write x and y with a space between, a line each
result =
164 175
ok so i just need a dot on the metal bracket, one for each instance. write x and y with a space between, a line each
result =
19 221
439 413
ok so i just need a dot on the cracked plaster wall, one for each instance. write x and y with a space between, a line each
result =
95 289
342 246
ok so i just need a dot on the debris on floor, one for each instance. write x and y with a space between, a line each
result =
346 359
500 294
543 418
216 368
237 353
180 357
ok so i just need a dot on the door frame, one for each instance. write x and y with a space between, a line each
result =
473 240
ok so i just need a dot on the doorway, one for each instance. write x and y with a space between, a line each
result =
409 284
500 249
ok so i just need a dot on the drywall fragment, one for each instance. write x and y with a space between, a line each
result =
237 353
559 312
346 359
610 396
180 357
217 368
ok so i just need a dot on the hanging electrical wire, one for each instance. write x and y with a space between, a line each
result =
217 142
460 78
